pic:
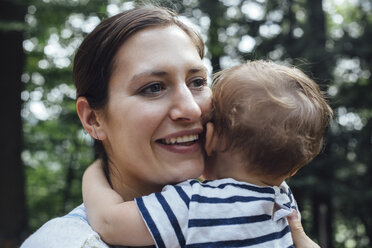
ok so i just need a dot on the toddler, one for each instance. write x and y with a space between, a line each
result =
267 122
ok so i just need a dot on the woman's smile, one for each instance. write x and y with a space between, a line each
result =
182 142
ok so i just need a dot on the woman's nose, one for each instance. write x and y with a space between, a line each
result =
184 106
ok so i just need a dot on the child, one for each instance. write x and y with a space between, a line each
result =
268 122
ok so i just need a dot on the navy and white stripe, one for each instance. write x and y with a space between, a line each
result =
220 213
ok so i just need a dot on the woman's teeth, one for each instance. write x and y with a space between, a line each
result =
183 139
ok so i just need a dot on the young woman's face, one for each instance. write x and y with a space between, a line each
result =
157 96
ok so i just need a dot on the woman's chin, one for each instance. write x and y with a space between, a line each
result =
189 171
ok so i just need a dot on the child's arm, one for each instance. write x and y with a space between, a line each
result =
118 222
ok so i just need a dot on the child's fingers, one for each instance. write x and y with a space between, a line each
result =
300 239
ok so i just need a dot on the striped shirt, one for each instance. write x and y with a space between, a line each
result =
219 213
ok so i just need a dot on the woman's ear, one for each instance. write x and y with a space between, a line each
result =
89 119
211 139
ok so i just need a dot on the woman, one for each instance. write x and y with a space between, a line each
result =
142 94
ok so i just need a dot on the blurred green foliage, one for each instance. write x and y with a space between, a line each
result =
330 40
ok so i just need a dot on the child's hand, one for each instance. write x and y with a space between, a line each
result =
300 239
94 183
116 221
98 195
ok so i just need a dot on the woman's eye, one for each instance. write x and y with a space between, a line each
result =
152 89
198 83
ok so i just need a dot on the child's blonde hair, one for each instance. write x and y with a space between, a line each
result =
274 115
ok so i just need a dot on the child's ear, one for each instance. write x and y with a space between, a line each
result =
89 119
211 139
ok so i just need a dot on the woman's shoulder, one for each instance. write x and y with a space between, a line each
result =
71 230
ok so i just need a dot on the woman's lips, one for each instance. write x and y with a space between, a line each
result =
188 147
181 142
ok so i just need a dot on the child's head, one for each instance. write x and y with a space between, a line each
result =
274 116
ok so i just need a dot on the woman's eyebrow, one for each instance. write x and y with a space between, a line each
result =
164 73
197 70
148 73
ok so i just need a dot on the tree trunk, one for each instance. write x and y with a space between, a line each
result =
319 67
13 220
316 36
215 11
322 215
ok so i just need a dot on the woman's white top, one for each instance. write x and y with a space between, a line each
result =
70 231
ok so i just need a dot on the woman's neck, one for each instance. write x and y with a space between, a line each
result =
129 187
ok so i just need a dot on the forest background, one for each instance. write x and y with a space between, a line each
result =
44 151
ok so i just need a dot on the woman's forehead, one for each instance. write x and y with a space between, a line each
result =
158 49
